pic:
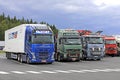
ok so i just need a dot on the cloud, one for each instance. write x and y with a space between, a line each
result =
87 14
71 6
67 8
103 4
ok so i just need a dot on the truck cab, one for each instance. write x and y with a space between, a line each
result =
110 46
39 45
93 47
68 46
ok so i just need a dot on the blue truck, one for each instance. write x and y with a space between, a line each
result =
92 44
93 47
31 43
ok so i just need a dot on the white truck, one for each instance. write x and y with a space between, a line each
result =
117 37
31 43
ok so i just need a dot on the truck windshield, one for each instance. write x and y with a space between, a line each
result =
94 40
42 39
110 42
74 41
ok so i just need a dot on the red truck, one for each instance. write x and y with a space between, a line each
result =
84 32
110 45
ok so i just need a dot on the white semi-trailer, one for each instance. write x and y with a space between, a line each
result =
32 43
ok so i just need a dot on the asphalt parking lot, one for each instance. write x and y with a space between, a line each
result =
107 68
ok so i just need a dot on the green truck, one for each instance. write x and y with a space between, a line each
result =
68 45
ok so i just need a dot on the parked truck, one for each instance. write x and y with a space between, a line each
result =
68 45
32 43
92 45
110 45
117 38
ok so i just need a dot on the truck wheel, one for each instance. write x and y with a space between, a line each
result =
83 57
99 59
59 58
112 55
49 63
55 56
78 60
28 60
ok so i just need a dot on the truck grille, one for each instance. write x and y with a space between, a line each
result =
73 55
111 48
73 50
43 55
96 53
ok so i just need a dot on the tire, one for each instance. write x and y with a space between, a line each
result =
59 58
21 59
112 55
99 59
28 60
18 57
78 60
84 57
49 63
55 56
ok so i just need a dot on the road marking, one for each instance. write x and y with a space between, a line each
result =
48 71
18 72
88 71
2 72
62 71
107 70
76 71
33 72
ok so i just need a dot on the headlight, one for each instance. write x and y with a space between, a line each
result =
100 49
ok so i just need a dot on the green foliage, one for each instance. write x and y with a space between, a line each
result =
8 22
53 27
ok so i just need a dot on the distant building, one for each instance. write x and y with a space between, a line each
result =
2 45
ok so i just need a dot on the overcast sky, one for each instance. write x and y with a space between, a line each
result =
76 14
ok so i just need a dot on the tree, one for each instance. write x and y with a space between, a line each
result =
8 22
31 21
8 17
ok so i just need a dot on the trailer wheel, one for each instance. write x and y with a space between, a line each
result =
18 57
21 58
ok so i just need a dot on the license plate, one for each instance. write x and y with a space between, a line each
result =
73 59
43 61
